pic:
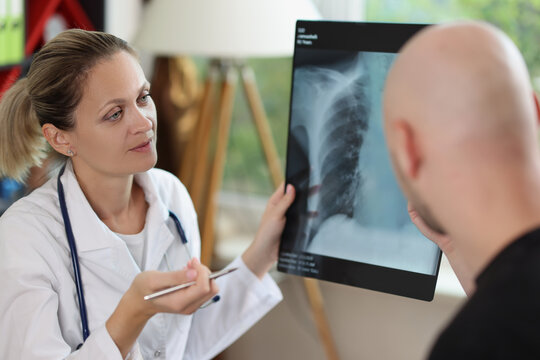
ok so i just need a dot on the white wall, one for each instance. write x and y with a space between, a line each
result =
365 325
122 17
344 10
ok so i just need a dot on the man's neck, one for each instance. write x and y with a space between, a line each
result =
485 230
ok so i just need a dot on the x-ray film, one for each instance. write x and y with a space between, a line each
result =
349 222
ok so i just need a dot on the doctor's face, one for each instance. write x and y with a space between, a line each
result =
115 121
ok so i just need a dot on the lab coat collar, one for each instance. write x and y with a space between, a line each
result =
89 231
160 236
91 234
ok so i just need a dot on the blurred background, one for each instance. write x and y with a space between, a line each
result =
363 324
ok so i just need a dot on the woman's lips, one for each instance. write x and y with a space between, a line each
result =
142 147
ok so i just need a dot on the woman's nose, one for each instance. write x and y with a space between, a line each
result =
142 121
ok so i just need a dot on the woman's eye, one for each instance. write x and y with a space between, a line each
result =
145 98
115 116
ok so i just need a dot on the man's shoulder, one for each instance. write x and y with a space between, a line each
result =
498 322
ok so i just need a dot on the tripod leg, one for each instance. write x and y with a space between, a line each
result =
263 128
190 157
198 161
261 123
317 309
216 171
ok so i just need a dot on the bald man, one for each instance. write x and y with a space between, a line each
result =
461 123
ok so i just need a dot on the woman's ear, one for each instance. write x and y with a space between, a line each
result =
407 152
58 139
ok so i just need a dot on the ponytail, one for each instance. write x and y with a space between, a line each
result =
49 95
22 144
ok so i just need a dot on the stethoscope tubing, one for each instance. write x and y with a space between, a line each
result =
74 258
75 255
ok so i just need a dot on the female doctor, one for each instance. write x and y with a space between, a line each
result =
132 228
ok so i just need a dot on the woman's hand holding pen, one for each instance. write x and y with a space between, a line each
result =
186 301
263 251
132 312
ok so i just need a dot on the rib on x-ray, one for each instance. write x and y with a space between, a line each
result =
340 136
329 116
348 202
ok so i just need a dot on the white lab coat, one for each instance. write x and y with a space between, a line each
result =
39 313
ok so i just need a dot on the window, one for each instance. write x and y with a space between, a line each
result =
517 18
246 167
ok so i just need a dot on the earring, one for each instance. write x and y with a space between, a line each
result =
70 152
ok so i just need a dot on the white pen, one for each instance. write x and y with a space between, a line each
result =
183 286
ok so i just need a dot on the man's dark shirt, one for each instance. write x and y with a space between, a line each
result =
502 318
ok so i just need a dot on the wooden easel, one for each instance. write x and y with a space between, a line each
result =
203 164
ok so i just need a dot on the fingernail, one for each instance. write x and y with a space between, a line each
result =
195 261
289 188
191 274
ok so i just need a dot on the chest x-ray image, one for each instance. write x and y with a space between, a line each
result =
349 205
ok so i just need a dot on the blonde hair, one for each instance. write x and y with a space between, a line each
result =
49 94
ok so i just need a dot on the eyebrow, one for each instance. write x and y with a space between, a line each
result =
121 100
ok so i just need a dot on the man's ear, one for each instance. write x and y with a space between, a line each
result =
407 152
537 103
58 139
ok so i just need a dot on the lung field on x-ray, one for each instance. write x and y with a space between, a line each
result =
329 117
338 146
348 204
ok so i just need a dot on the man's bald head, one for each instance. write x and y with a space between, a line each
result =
460 70
457 98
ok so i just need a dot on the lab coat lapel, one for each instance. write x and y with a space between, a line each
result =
160 237
98 247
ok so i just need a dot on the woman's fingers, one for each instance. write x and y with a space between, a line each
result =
277 195
194 306
285 201
184 301
263 251
173 278
279 202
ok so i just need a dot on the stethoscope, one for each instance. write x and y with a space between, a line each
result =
75 256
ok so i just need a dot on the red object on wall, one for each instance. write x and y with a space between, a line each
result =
37 14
